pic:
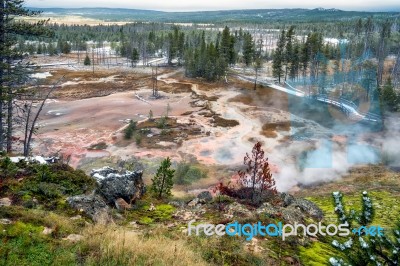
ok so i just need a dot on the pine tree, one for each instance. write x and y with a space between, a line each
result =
389 98
87 61
134 57
295 61
227 46
278 58
384 34
128 132
257 175
13 71
51 49
289 53
162 182
248 49
65 47
39 49
305 56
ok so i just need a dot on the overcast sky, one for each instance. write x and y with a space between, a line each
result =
189 5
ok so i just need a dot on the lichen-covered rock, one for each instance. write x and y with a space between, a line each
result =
205 197
100 174
286 198
114 189
291 209
308 207
269 210
193 202
177 204
5 202
238 210
128 186
92 205
73 238
293 215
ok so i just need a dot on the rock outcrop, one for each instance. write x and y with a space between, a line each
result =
112 186
282 206
92 205
205 197
114 189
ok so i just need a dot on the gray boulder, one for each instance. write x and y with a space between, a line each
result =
291 209
287 199
92 205
114 189
128 186
205 197
100 174
308 207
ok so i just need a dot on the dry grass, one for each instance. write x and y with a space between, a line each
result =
174 87
90 84
222 122
269 129
241 98
112 245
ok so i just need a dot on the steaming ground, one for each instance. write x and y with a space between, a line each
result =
305 143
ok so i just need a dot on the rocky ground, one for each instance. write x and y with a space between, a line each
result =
55 214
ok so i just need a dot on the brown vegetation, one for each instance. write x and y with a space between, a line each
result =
269 130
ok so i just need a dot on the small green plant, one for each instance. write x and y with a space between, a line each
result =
150 117
162 122
168 110
186 173
7 168
162 182
146 220
138 139
128 132
164 132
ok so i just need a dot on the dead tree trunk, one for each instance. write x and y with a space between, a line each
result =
30 128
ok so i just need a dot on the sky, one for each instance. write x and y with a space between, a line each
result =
195 5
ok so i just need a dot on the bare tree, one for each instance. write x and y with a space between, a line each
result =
31 117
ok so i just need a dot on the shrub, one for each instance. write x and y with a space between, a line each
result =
7 168
138 139
186 173
49 183
162 122
130 129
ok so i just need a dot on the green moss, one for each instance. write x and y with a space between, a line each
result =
24 244
145 220
62 225
20 228
387 206
316 254
163 212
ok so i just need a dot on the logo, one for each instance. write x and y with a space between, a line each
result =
249 231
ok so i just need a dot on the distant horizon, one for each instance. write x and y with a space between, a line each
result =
222 5
395 9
